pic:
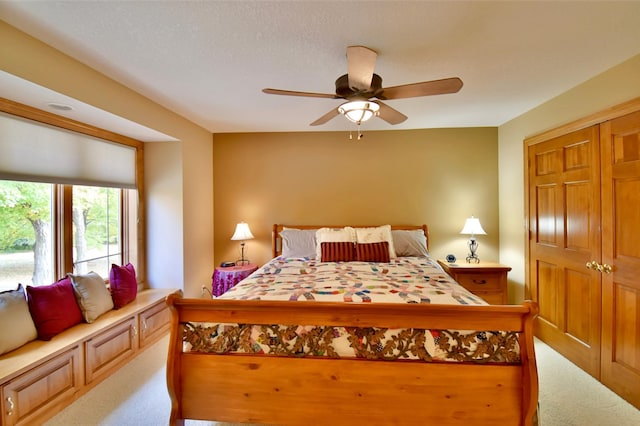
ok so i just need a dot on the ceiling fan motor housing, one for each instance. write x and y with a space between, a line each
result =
344 91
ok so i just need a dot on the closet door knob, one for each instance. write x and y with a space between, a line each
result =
607 269
593 265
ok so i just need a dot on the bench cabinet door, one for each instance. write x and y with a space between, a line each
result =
108 350
46 388
154 323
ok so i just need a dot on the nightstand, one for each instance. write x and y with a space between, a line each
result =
226 277
485 279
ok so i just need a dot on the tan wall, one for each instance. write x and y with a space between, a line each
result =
437 177
613 87
180 194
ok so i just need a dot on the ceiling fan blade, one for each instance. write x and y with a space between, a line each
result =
328 116
390 115
426 88
360 64
303 94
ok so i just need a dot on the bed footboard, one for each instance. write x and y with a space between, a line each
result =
268 389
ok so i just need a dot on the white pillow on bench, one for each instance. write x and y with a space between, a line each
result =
92 295
15 320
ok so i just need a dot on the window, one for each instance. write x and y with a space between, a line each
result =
69 199
96 229
30 246
26 243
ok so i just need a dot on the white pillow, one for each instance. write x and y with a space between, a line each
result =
92 294
15 320
410 243
298 242
325 235
377 235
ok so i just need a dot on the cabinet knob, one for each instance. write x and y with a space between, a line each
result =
479 281
607 269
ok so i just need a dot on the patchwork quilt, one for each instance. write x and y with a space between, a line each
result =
403 280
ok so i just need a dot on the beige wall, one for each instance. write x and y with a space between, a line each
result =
437 177
608 89
179 183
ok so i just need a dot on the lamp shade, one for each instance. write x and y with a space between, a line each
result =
359 111
242 232
472 226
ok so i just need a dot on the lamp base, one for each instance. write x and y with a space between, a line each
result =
473 257
242 261
473 246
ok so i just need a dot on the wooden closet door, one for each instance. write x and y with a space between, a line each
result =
620 141
564 224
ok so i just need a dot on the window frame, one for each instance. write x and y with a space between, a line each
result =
133 243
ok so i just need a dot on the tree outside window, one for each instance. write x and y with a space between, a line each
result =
96 229
26 246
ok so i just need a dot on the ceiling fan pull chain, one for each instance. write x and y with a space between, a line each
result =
360 135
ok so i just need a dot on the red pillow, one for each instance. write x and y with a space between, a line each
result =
53 308
337 251
123 284
373 252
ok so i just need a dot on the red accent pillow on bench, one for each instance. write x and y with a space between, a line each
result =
123 284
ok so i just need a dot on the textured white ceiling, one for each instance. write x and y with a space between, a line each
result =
209 60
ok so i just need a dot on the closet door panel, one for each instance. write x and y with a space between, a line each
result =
548 296
580 310
546 218
620 141
564 213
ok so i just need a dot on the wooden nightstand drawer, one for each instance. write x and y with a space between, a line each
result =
480 282
486 279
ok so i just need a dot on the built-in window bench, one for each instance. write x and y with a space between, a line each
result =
41 378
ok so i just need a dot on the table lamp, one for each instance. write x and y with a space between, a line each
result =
242 234
473 227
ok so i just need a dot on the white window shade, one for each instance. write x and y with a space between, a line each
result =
41 153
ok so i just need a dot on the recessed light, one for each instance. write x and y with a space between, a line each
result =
59 106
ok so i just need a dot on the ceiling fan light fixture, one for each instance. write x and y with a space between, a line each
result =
359 111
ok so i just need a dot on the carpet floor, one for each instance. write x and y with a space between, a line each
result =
137 395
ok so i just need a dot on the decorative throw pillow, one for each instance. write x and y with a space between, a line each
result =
372 252
337 251
123 284
410 242
93 297
53 308
377 235
324 235
298 242
15 320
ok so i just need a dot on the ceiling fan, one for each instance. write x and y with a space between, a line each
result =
361 84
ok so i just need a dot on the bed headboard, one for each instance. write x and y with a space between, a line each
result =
276 240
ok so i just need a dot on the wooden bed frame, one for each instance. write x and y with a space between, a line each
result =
259 389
